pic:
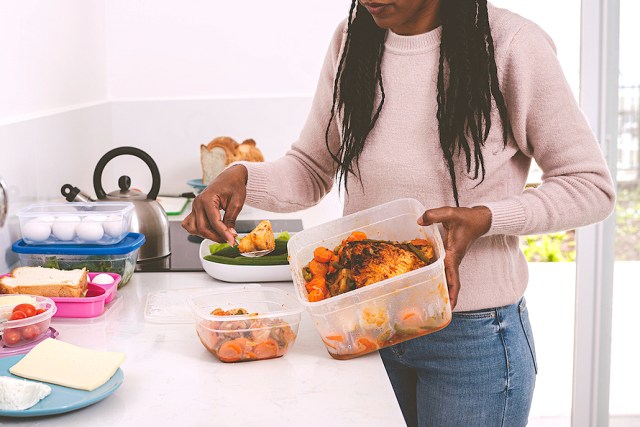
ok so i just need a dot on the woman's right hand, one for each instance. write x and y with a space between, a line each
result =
228 192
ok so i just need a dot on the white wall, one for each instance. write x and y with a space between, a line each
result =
52 55
214 49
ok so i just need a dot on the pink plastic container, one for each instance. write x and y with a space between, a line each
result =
91 305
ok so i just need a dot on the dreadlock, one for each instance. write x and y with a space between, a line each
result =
467 85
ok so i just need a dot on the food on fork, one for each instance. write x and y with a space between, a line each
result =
259 239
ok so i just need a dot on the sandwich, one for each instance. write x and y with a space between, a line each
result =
46 282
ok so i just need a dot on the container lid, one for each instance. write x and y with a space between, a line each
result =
131 242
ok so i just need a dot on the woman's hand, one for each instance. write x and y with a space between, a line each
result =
463 227
228 191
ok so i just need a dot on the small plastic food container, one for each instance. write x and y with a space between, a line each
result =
384 313
16 333
119 258
93 303
266 332
98 223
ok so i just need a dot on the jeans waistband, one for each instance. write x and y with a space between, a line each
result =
520 305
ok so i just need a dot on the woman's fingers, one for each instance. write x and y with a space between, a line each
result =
228 192
463 226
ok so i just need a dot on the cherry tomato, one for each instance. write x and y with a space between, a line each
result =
11 336
30 332
40 311
27 309
16 315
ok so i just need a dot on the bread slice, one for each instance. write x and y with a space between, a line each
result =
46 282
222 151
260 238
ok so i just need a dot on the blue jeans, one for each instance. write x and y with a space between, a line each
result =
479 371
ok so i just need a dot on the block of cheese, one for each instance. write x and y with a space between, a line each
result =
64 364
18 394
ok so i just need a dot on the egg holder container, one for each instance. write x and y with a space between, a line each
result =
96 223
92 304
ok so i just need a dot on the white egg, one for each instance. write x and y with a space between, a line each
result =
90 231
113 225
65 227
36 231
102 279
94 218
47 219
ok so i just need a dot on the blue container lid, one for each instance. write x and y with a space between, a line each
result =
131 242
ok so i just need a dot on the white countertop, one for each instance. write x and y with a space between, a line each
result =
171 379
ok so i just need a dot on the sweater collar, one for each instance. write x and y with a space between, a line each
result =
413 44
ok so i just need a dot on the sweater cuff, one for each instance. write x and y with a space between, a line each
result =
507 217
257 179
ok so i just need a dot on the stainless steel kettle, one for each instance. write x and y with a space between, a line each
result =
4 202
148 216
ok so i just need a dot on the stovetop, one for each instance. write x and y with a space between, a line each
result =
185 248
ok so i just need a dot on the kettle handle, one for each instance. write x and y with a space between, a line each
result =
133 151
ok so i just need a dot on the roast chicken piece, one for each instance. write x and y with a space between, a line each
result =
370 261
259 239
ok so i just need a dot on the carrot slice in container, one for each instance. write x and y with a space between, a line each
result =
230 351
266 349
318 268
356 236
322 254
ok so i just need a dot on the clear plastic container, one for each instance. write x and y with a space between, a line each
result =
266 332
20 332
119 258
98 223
384 313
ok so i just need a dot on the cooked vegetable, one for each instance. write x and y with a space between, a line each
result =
322 254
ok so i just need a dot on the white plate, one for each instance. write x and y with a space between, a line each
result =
243 273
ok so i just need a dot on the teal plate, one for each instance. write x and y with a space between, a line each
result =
61 399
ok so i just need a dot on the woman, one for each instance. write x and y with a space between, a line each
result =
446 102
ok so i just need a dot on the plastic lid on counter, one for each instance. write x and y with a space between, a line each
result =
131 242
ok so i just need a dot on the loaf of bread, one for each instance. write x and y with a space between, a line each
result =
259 239
46 282
222 151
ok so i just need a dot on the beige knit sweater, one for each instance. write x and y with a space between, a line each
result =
403 158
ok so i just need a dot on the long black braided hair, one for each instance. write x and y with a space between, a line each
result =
467 85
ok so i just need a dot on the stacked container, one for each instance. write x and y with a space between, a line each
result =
68 236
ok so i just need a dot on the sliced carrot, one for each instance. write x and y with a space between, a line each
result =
318 268
317 283
322 254
230 351
316 295
356 236
420 242
338 338
266 349
365 345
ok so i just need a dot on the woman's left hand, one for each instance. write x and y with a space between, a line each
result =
463 226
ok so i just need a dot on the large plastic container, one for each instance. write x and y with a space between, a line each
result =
119 258
99 223
266 332
384 313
